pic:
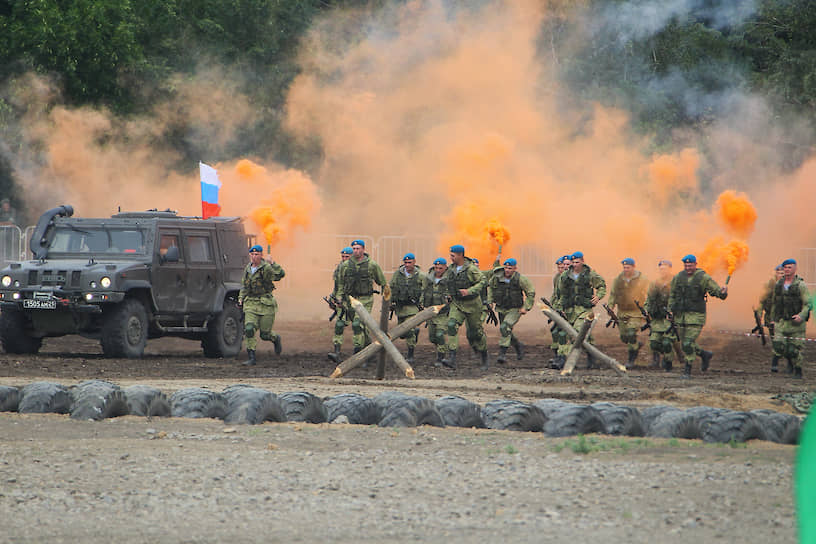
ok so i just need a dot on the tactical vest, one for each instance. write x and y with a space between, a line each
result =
436 293
357 281
507 294
460 280
690 295
787 303
407 288
576 292
259 283
657 301
625 292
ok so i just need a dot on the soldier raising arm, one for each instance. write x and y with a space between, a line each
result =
259 305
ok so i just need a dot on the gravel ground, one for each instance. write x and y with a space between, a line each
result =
181 480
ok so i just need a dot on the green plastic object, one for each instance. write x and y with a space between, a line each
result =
805 482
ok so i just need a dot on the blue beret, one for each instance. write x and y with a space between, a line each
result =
788 261
511 261
576 255
257 248
408 255
559 260
778 267
689 259
628 260
440 260
458 248
567 257
664 261
475 260
358 243
346 251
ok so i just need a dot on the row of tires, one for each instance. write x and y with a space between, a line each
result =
244 404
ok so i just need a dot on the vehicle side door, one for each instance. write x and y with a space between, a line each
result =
203 276
170 278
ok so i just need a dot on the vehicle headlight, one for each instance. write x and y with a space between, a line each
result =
6 281
105 282
93 285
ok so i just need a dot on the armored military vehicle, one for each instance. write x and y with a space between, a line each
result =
125 279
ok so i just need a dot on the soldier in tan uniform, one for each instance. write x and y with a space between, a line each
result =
630 285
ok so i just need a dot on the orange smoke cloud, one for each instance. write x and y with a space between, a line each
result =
674 174
497 231
719 256
288 199
737 213
479 233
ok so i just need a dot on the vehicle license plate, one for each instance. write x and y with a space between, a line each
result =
37 304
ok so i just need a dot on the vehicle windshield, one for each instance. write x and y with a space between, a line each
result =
95 240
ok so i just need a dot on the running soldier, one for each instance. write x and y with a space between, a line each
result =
687 304
436 293
341 322
630 285
765 306
790 312
661 337
407 286
579 289
558 336
514 296
258 303
357 278
465 283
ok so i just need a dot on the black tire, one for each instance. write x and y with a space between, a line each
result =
124 333
651 413
779 427
513 415
574 420
225 332
550 406
303 406
675 423
98 399
411 412
252 405
459 412
15 333
732 426
384 401
44 398
195 402
144 400
358 409
620 420
9 398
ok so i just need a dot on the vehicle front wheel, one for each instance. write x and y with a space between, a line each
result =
225 333
124 333
15 333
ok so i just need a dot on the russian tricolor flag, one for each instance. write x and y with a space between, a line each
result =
210 184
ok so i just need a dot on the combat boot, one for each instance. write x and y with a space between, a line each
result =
687 371
667 364
797 373
450 360
655 360
483 355
706 357
335 357
630 363
439 359
410 358
251 361
278 344
775 364
519 347
502 358
559 362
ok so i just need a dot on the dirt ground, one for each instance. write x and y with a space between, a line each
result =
202 481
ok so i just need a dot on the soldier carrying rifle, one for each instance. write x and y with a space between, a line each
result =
407 291
790 312
340 324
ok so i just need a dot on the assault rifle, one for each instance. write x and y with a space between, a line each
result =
759 329
418 304
613 319
334 305
562 314
391 309
646 315
672 326
491 315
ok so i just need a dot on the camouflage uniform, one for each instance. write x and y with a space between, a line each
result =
687 301
258 303
625 291
467 309
765 306
559 337
357 280
657 306
341 321
510 295
789 301
436 293
406 295
574 297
